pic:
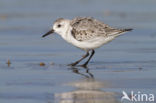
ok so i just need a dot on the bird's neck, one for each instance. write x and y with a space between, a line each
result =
66 34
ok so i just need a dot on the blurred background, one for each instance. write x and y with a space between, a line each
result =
22 23
32 68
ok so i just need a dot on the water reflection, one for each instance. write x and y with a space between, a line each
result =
87 90
86 74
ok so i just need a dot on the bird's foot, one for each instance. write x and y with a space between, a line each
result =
73 64
83 65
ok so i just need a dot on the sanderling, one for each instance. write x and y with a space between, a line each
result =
85 33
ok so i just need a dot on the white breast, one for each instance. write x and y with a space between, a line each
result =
87 44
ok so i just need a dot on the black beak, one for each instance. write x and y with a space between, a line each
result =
49 32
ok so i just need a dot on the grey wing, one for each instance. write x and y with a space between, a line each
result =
85 28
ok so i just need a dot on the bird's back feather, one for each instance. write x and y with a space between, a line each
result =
85 28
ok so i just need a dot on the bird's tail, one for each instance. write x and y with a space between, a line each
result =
122 31
118 32
125 30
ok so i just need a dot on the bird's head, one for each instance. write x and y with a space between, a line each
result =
60 27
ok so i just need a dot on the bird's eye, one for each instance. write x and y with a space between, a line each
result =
58 25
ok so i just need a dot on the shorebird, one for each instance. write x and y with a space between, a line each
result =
85 33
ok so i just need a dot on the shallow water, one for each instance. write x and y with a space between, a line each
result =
126 64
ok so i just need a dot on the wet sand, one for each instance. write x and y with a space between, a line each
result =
34 69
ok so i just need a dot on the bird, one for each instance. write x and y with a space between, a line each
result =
86 33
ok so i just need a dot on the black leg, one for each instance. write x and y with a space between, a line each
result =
83 57
85 64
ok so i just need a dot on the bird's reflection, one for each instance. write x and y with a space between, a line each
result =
87 90
86 74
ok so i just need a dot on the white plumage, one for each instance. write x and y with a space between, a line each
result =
85 33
